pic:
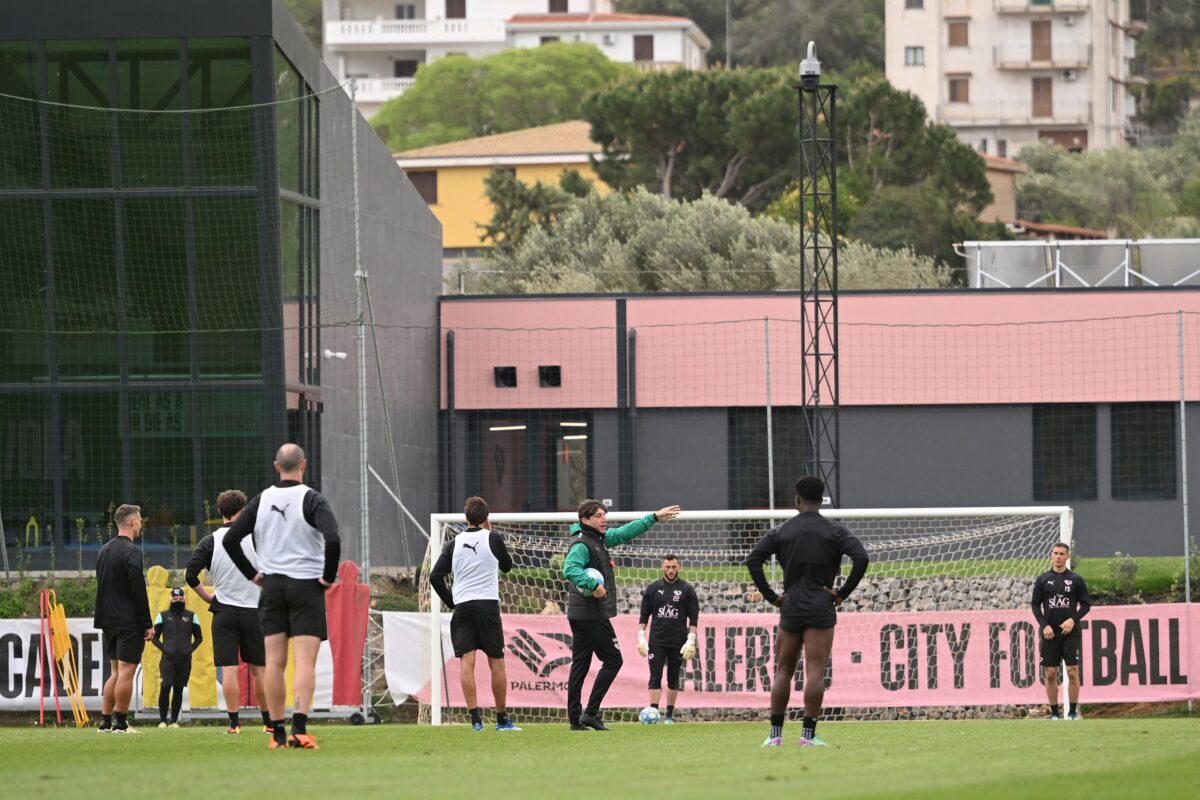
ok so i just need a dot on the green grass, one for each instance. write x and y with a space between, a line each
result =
1155 573
1095 758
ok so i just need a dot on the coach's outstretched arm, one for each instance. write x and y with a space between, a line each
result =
635 528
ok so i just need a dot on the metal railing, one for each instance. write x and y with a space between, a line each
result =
410 31
1059 55
1015 112
1098 263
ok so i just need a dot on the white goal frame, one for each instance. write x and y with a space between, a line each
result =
566 518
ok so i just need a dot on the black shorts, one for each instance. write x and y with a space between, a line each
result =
476 626
124 646
175 673
237 634
293 606
1061 649
798 623
661 656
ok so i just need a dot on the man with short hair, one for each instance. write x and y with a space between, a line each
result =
236 632
122 615
297 544
593 603
177 634
672 603
476 557
810 550
1060 600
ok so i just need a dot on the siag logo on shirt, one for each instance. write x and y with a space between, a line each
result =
1058 601
668 612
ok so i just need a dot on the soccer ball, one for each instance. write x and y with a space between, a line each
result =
595 575
649 715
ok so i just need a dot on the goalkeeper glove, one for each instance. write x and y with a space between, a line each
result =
643 648
688 651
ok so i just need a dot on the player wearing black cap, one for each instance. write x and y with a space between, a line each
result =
810 550
177 634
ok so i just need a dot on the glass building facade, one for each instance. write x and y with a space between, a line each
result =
159 248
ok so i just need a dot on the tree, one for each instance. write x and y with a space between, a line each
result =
920 218
1164 104
730 133
1133 192
642 242
458 97
308 14
518 208
771 33
777 32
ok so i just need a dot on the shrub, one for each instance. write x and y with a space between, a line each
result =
1122 568
1178 594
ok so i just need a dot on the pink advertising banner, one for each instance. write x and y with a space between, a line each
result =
1130 654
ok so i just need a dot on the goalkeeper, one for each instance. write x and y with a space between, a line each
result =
810 550
593 604
672 603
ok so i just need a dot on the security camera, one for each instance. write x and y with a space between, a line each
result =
332 354
810 70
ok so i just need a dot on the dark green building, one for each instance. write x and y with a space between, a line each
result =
178 257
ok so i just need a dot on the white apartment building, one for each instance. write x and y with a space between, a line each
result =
1005 73
383 43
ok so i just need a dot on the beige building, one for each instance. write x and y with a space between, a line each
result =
1005 73
1002 177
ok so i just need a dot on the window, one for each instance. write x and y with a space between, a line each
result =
505 377
426 185
914 56
956 30
1143 451
1064 452
914 3
529 462
960 90
983 146
406 11
1002 148
558 6
456 9
404 68
643 48
1043 97
749 458
1039 40
547 39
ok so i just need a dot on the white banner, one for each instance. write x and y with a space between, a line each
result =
406 651
21 675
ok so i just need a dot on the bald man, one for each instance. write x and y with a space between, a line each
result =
297 546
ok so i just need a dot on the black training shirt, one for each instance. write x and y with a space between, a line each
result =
1059 596
121 602
673 607
810 550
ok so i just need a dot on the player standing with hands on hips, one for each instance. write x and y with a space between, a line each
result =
810 550
297 545
672 603
1060 600
592 606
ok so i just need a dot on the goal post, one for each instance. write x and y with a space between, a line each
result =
938 566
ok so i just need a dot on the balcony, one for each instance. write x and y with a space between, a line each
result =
1137 71
1040 6
1059 55
380 90
1068 112
413 32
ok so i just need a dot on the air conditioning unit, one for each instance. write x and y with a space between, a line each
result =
1069 75
1068 19
609 40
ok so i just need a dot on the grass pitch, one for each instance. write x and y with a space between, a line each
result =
977 759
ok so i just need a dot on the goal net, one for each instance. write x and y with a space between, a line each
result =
939 627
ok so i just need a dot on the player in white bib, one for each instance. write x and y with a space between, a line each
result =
476 557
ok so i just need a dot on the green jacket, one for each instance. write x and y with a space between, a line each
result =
577 557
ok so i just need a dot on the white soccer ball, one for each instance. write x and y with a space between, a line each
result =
649 715
595 575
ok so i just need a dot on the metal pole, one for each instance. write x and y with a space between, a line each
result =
435 630
364 493
4 549
1187 537
770 431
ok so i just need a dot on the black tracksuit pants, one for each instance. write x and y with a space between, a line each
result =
590 636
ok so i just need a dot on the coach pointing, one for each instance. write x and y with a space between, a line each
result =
296 540
592 604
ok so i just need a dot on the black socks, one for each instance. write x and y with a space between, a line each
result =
233 719
776 726
809 729
475 718
299 724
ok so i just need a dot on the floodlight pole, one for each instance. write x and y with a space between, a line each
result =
819 382
364 488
